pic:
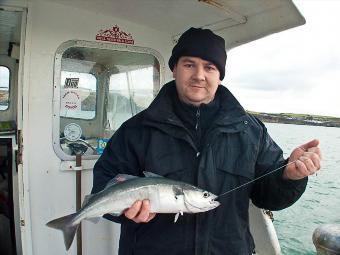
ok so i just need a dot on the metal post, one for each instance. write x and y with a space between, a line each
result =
78 202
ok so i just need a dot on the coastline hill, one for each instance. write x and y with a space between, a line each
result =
297 119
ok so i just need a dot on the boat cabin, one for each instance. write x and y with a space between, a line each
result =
71 72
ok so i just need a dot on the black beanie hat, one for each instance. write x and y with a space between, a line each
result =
202 43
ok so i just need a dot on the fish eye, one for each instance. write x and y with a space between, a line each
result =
206 194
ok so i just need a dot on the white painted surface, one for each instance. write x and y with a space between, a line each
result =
51 191
263 232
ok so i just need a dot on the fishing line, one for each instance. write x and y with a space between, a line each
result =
244 184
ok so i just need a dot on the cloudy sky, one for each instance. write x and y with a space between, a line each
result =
297 70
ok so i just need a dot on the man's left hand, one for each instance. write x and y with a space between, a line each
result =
306 160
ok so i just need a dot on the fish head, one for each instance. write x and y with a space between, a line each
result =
198 200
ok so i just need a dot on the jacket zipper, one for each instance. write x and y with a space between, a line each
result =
198 131
198 114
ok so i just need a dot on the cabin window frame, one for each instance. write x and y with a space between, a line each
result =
57 88
9 88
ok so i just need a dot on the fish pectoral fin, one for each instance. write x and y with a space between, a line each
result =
178 191
177 216
150 174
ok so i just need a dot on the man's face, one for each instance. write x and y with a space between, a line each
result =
196 80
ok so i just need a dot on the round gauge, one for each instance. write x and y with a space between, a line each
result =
72 132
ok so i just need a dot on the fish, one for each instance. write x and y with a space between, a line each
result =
165 196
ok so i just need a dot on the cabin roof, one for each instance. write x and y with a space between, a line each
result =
237 21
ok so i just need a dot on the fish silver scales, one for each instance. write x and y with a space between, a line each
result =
165 195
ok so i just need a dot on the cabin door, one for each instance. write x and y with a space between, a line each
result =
11 30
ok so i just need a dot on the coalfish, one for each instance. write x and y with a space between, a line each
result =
165 195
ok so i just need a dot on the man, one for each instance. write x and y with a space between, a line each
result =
195 131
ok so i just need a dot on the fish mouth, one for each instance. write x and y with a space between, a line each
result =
215 199
214 202
212 205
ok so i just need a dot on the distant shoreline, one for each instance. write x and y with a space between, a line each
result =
297 119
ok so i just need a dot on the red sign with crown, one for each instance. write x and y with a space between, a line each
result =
116 35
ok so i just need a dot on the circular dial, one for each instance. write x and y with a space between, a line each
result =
72 132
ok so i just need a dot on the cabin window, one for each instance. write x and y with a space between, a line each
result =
4 88
100 87
129 93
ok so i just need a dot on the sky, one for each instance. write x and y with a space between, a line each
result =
295 71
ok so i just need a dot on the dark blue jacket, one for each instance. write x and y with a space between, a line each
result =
235 149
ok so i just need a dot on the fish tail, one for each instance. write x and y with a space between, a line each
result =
67 226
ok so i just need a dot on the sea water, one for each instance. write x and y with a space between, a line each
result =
321 201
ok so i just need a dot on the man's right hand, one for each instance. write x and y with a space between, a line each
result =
139 212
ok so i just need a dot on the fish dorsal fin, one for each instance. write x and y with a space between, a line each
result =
120 178
149 174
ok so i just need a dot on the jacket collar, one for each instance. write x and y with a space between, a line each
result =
161 109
